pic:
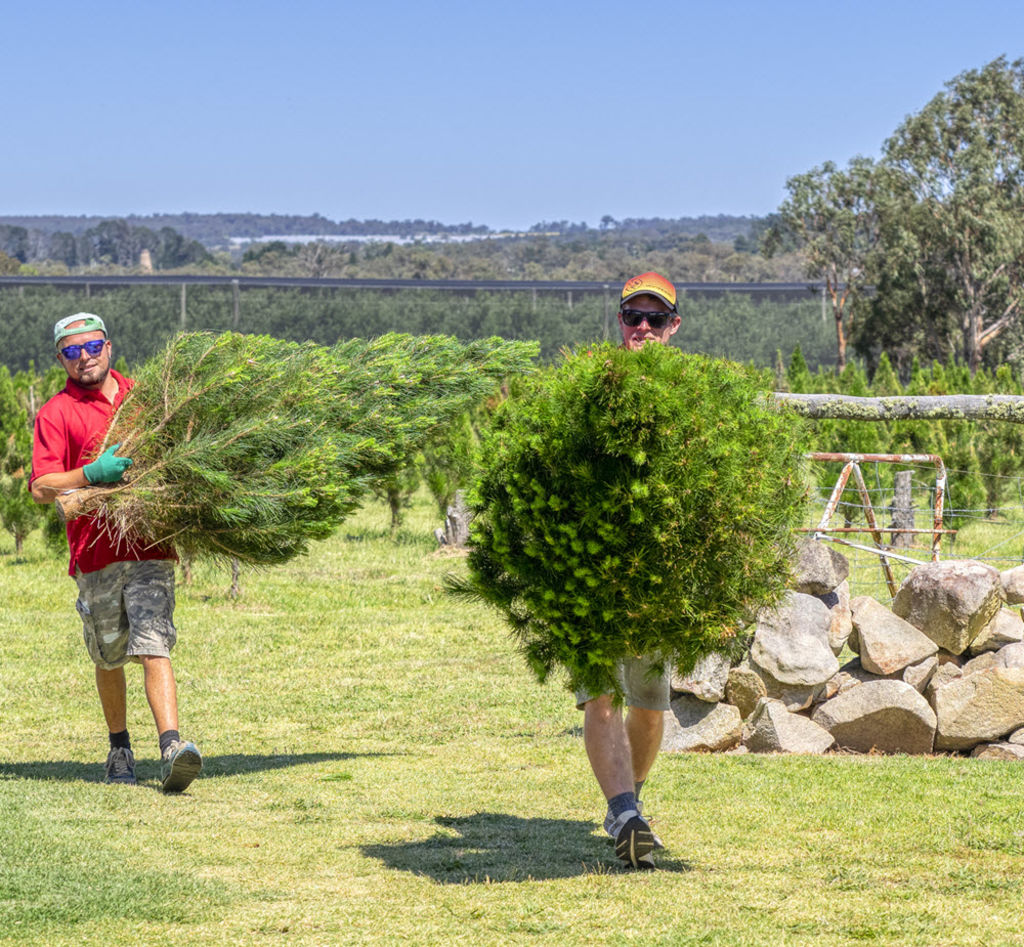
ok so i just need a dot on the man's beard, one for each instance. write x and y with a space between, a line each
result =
97 382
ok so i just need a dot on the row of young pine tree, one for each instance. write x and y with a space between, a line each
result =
985 460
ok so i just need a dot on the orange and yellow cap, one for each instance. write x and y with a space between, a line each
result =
651 284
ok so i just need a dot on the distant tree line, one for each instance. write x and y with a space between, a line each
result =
142 318
114 243
596 255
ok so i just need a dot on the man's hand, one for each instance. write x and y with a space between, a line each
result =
107 468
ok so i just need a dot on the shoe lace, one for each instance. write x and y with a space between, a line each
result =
119 764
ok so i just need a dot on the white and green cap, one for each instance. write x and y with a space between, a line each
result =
67 326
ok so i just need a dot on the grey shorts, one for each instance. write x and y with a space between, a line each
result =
642 689
126 610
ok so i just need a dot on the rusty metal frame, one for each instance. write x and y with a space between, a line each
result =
851 466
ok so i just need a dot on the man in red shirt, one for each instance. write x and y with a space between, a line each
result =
125 589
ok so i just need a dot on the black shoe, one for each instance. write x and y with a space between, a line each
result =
634 840
120 767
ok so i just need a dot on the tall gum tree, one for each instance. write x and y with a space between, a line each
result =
833 214
955 227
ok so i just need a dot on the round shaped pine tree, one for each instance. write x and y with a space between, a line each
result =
635 503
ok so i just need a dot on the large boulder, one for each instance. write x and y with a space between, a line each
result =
886 643
978 708
853 672
881 716
791 649
1012 581
694 725
951 602
819 568
707 680
773 729
1005 628
744 688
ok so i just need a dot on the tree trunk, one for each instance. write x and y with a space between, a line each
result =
902 509
456 524
76 502
906 407
236 587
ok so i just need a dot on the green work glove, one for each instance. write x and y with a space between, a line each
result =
107 468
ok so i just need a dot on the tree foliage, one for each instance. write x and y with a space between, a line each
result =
249 447
633 503
19 514
936 225
834 216
954 233
143 319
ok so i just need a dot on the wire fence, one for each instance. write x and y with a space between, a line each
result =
994 535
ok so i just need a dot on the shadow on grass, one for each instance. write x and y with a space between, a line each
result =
490 847
231 764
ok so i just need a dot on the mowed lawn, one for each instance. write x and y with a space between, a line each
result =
381 768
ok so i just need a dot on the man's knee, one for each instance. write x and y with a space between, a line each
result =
641 718
601 709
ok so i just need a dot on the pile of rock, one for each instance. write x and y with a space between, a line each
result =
941 671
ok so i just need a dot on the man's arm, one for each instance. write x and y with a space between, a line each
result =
47 487
107 468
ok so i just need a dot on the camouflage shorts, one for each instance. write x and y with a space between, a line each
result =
126 611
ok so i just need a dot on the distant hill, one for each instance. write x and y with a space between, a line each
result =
215 231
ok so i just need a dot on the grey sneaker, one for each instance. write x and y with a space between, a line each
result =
634 840
120 767
609 825
180 764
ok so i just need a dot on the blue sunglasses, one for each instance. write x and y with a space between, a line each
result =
93 348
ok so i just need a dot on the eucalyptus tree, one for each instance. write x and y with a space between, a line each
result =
953 232
834 215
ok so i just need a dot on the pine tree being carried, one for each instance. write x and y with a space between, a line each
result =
250 447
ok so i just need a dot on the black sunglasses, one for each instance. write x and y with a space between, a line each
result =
656 320
93 348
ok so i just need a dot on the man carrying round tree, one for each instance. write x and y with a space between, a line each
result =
622 751
125 589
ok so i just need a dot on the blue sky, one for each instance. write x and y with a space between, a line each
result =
503 114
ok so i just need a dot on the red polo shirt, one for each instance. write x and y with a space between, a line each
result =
69 429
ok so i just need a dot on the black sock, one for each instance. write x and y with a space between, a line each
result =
621 803
120 741
167 738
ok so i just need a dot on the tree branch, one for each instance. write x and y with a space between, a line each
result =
906 407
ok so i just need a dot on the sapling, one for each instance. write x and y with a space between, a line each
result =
634 503
249 447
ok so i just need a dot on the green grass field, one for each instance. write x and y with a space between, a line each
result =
381 769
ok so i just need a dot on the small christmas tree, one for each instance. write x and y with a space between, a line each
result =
249 447
634 503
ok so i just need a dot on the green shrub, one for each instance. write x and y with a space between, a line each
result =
634 503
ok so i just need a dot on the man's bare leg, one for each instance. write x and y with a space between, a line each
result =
161 691
644 729
621 752
608 748
113 691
